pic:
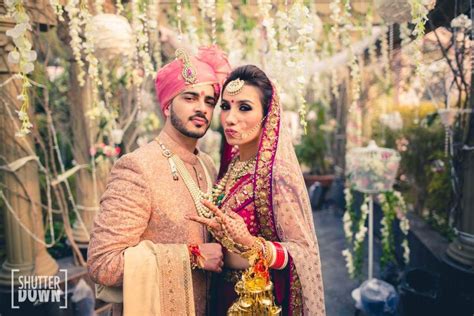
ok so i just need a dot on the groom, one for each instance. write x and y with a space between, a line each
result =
141 246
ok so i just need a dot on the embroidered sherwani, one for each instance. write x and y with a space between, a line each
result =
142 201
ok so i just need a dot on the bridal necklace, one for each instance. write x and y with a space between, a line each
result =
237 169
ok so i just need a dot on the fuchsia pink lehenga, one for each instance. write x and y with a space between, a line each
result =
274 203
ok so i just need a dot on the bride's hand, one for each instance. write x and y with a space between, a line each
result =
212 224
233 224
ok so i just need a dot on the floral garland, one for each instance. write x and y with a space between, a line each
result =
302 22
393 206
75 29
24 56
267 22
385 56
119 6
153 10
228 25
354 125
140 27
336 17
355 238
419 14
57 8
192 36
372 49
88 46
99 6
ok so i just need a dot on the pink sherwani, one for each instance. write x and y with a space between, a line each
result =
142 201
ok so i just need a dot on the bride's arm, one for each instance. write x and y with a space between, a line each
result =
234 261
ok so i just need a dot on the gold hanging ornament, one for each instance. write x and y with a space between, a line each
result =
255 290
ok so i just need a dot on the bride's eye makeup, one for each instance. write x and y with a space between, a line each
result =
225 106
245 107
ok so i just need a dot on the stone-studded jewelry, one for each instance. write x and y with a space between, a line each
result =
235 86
177 167
189 72
256 127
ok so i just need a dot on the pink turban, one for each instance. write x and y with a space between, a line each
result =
209 66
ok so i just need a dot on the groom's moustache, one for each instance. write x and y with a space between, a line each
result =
200 115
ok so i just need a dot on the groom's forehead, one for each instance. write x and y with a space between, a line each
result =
201 90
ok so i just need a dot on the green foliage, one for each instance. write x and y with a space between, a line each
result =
388 240
427 188
312 149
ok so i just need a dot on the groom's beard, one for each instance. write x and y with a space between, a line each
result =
180 126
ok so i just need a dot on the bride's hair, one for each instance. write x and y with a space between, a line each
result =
253 76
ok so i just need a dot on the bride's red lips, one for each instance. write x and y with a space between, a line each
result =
231 132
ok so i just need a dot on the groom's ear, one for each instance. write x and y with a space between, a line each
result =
167 110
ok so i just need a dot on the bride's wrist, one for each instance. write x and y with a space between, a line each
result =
250 241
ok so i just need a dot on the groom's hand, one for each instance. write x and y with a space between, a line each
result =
213 257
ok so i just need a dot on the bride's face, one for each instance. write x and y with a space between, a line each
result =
241 116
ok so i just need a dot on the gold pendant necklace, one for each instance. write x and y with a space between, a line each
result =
231 177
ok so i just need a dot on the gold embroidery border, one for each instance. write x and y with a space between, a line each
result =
263 171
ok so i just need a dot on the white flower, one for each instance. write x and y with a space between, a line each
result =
18 30
22 43
462 21
349 261
30 55
406 251
22 115
10 3
117 135
27 68
14 57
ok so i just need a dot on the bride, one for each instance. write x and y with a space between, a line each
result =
261 199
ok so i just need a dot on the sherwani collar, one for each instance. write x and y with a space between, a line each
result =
179 150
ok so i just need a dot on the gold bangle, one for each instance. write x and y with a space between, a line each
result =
268 252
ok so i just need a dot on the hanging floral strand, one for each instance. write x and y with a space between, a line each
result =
58 9
153 10
140 27
393 207
179 14
119 6
355 232
75 24
24 56
99 6
419 16
212 12
302 21
228 25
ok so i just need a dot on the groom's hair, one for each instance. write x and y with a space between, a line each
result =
254 76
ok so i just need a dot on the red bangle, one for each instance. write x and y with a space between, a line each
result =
281 259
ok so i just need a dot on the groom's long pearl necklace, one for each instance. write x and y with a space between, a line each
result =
177 167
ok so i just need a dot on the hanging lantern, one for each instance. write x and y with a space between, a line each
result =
112 37
372 169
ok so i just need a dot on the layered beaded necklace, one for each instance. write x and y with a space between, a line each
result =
237 169
177 167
